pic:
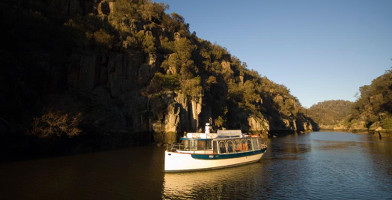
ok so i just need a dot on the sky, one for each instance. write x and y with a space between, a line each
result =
319 49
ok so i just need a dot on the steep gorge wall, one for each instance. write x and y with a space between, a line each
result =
107 85
115 82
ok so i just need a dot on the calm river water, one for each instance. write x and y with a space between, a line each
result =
319 165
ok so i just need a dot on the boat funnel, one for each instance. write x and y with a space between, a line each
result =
207 129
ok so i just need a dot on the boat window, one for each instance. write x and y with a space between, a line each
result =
222 147
255 145
243 142
185 144
215 147
249 145
230 147
237 145
259 142
193 145
201 145
209 144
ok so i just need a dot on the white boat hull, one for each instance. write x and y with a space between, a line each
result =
177 162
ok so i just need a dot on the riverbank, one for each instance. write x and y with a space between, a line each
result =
376 133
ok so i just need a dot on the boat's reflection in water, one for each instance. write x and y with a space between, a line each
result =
235 182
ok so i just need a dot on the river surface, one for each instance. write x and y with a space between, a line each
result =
319 165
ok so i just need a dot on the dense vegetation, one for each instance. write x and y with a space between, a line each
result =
329 114
99 72
373 109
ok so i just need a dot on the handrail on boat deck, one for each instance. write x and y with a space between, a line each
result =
173 147
181 147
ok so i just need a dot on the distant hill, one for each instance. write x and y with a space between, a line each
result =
330 114
371 111
113 73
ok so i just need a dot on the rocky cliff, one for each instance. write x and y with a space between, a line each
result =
122 72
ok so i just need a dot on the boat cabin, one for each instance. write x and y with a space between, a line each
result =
222 142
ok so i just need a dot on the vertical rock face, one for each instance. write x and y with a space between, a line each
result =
257 125
195 112
171 121
180 115
115 71
109 82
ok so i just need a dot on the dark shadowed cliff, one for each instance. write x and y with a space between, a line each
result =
104 74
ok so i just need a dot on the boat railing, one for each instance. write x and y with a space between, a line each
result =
174 147
206 149
187 149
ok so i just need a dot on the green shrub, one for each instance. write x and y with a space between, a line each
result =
163 82
56 124
191 87
387 123
149 44
103 38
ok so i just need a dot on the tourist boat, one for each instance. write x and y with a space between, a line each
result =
204 151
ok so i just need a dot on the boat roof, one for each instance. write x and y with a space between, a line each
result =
229 133
209 136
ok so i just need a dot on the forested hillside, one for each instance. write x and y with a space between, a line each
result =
373 109
330 114
105 74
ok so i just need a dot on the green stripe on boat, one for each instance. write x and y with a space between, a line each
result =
228 155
